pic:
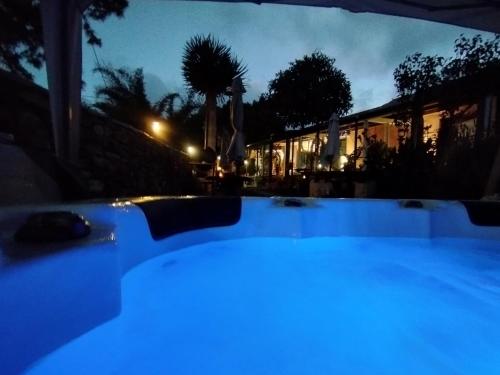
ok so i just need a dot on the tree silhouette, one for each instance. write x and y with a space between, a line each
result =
310 90
261 120
124 98
418 74
413 78
208 67
472 55
21 39
461 159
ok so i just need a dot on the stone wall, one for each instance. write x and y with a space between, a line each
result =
116 160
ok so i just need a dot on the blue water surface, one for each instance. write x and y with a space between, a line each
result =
301 306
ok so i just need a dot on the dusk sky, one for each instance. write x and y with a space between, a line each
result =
266 38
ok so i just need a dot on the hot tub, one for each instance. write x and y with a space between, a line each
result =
256 286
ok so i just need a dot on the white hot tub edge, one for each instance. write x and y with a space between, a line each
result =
49 300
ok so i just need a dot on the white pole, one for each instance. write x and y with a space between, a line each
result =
62 33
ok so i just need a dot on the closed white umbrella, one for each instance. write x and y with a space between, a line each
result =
62 33
333 142
236 149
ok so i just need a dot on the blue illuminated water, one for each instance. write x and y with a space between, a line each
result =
308 306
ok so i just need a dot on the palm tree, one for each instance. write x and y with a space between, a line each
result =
123 97
208 68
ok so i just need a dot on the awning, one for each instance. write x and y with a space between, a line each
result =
476 14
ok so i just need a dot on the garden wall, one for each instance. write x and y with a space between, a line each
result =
115 160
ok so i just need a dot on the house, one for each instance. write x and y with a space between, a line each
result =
295 151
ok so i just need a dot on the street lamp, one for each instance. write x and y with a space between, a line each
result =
156 127
191 150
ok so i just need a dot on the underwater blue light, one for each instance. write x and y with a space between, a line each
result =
307 306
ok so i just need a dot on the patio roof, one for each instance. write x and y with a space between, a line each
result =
476 14
385 110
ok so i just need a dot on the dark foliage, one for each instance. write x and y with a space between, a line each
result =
379 156
261 121
457 164
310 90
418 72
208 65
472 55
418 78
21 40
124 98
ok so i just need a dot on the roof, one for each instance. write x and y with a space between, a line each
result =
483 83
384 110
476 14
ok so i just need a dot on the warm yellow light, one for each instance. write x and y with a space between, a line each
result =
245 162
156 127
320 165
221 174
218 157
191 150
343 161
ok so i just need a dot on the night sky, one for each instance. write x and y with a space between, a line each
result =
366 47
